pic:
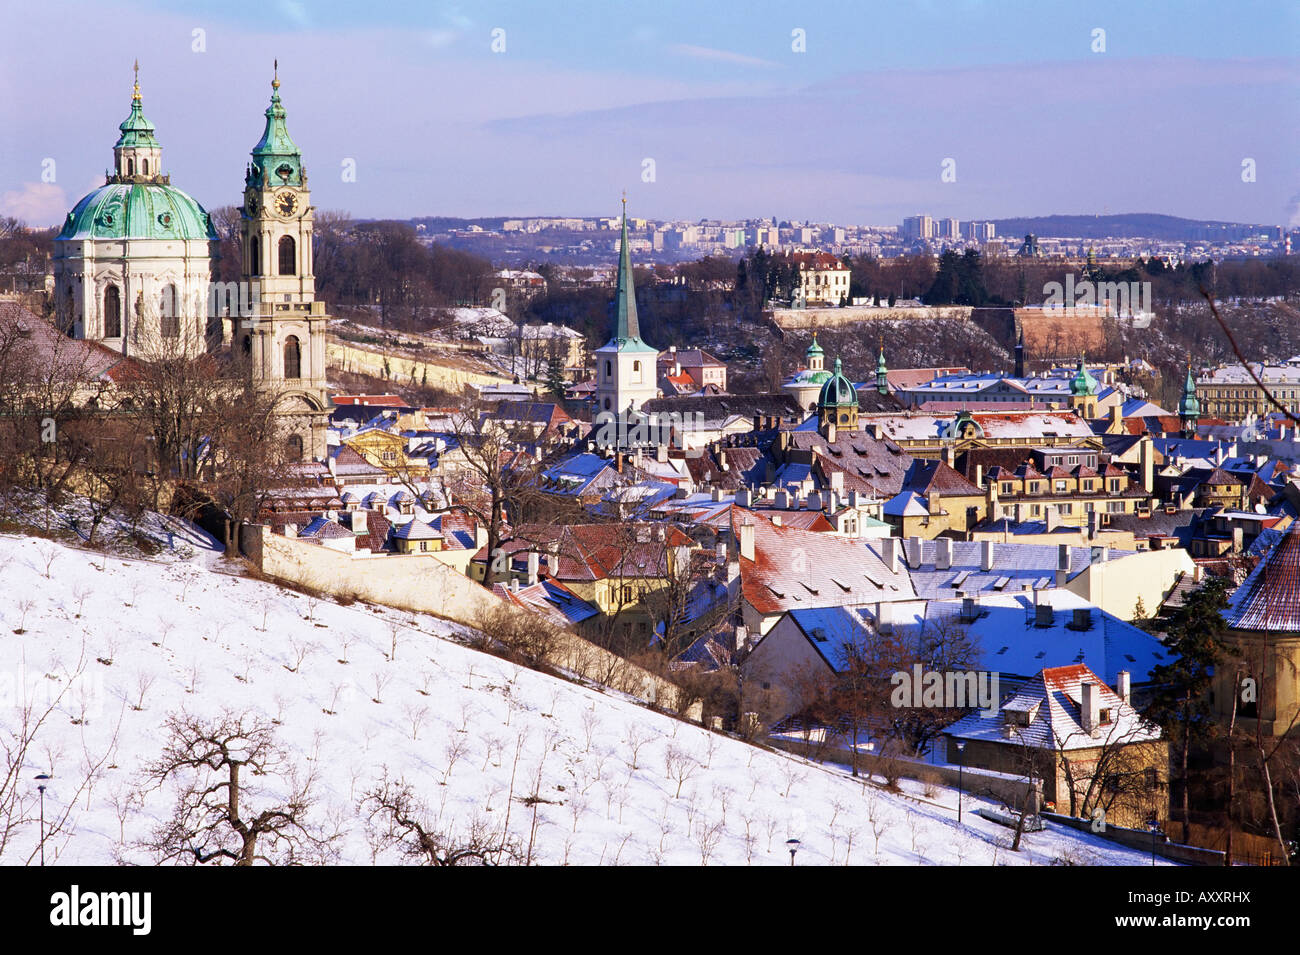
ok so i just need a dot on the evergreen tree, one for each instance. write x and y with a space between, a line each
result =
555 376
1181 704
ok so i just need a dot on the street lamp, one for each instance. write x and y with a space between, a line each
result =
794 847
41 782
961 748
1154 825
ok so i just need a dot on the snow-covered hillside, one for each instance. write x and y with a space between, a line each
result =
182 632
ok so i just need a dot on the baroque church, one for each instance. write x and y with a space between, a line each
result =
132 270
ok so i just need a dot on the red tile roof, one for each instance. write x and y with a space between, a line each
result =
1269 598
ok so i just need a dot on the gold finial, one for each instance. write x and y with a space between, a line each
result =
135 93
275 76
624 200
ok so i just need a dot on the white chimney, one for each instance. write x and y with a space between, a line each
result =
533 562
837 481
359 522
1062 564
986 555
742 636
715 493
744 497
889 553
1090 706
1124 686
942 553
745 534
884 617
914 552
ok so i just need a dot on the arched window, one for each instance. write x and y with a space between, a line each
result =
169 313
130 167
255 256
112 312
288 258
606 404
144 163
292 358
295 447
609 368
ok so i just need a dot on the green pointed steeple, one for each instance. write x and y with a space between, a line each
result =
276 157
136 130
882 372
627 326
1189 406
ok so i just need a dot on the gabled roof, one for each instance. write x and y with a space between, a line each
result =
795 568
416 530
927 476
550 598
1269 598
1054 697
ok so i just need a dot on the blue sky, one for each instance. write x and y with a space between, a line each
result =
855 128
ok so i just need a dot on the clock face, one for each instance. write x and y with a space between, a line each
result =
286 204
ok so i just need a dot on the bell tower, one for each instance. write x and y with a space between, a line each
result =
284 337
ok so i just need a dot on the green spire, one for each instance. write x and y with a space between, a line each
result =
627 327
276 157
1189 406
882 372
136 130
814 349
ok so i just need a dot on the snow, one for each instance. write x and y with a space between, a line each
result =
185 632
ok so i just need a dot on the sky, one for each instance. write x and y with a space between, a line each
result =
849 112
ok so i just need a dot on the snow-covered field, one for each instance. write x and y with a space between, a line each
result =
182 632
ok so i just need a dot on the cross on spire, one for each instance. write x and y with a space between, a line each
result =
135 93
275 74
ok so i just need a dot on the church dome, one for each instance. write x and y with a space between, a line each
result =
838 391
1082 384
138 210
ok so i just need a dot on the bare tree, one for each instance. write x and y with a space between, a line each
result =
400 819
212 820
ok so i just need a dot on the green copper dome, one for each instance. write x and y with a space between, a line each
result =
814 350
1082 383
138 210
838 392
136 130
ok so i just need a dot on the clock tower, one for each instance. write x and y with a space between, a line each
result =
284 337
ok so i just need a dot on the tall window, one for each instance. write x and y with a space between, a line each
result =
292 358
145 164
112 312
288 260
169 313
255 256
130 167
295 447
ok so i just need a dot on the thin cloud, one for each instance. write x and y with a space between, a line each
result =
719 56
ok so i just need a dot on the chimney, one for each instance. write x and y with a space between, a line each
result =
1089 706
781 499
776 520
722 461
942 553
744 497
1124 686
979 475
813 501
1116 419
1053 518
935 502
837 481
1094 523
1062 562
829 431
715 493
534 561
884 617
661 453
889 553
914 552
742 636
358 522
290 530
986 555
746 537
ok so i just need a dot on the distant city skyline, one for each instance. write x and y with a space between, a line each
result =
856 130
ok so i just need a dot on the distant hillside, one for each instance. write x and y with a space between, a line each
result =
1129 225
